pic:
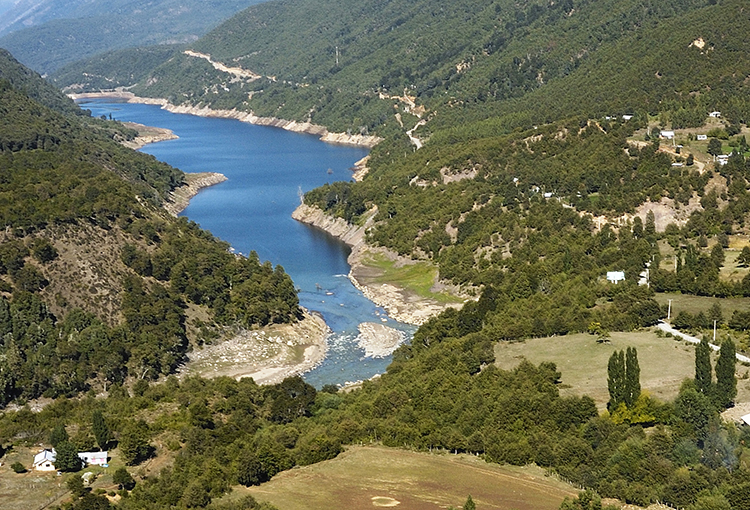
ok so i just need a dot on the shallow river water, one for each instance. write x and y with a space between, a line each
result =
267 168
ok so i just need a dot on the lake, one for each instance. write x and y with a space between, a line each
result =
267 169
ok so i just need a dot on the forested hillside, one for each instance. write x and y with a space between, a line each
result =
543 146
516 64
97 282
46 34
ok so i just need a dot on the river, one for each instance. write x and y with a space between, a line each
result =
267 168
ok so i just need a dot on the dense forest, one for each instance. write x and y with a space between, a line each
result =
65 183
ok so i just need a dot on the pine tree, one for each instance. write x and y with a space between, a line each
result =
632 377
703 377
101 430
726 383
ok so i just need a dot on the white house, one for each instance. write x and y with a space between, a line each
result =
745 419
45 460
615 276
715 115
667 134
627 117
94 458
701 137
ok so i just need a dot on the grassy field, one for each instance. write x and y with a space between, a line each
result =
664 362
417 277
372 477
695 304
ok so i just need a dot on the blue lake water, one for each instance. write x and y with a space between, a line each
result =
267 168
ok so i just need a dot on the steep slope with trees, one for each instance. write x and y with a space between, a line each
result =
96 279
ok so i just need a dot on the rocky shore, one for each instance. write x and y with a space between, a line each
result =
401 304
180 197
147 135
268 355
204 111
378 340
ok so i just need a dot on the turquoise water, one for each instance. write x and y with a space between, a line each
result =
267 168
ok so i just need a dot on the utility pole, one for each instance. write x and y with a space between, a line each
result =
669 310
714 331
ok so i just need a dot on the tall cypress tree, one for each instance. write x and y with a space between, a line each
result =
101 430
632 377
703 376
616 379
726 383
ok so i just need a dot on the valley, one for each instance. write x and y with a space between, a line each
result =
474 296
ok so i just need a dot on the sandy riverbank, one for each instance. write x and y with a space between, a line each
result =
268 355
203 111
401 304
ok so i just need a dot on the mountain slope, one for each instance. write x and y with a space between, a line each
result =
97 282
46 34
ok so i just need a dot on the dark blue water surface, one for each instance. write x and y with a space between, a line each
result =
267 168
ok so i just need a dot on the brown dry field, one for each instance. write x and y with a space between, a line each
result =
372 477
664 362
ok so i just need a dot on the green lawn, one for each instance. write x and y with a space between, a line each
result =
417 277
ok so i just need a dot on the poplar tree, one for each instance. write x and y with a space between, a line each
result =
616 379
632 377
703 376
726 383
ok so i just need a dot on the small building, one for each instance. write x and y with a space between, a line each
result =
722 159
45 460
715 115
701 137
745 419
615 276
669 135
627 117
93 458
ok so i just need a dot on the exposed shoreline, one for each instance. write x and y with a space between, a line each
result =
268 355
180 197
402 305
204 111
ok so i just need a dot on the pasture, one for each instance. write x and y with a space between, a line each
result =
664 362
375 477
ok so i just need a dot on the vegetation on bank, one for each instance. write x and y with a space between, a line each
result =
62 177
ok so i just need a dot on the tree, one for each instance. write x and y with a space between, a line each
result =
67 457
101 430
726 383
250 470
75 486
744 257
703 377
632 377
714 147
58 435
133 444
123 479
616 380
470 505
